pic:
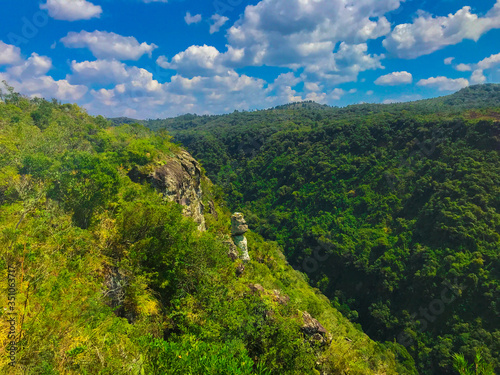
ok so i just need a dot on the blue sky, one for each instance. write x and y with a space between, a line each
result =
159 58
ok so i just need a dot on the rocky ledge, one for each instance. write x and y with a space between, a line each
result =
179 179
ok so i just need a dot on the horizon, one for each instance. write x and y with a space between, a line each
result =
214 58
303 102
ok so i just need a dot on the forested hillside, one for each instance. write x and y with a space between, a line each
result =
393 211
105 275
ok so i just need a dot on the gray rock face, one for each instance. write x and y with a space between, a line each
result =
311 326
180 181
238 228
238 224
314 330
241 242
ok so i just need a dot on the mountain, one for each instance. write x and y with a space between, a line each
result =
392 211
119 256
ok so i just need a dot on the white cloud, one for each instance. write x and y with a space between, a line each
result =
35 65
217 22
343 65
336 94
71 10
304 34
428 34
312 86
100 71
448 60
463 68
394 79
285 33
29 78
106 45
478 77
192 19
9 54
326 38
282 88
489 62
478 69
143 97
195 61
444 83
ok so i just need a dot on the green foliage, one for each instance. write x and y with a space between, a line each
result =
190 356
388 208
111 278
479 367
82 183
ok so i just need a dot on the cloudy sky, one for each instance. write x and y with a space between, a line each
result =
162 58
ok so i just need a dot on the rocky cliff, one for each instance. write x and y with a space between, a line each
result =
179 179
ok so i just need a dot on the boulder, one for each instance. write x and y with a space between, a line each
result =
241 243
311 326
238 224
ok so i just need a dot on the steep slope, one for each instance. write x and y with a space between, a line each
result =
392 210
116 246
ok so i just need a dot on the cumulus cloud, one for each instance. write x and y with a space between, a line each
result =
143 96
428 33
9 54
337 93
217 21
100 71
489 62
394 79
108 45
29 78
463 68
71 10
192 19
35 65
295 32
478 77
343 65
444 83
195 61
136 94
478 69
325 37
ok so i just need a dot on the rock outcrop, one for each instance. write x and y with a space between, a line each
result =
238 229
179 179
314 330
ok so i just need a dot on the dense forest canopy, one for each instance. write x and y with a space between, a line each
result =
111 278
393 211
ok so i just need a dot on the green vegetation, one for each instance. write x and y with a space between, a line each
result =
479 367
113 279
393 211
